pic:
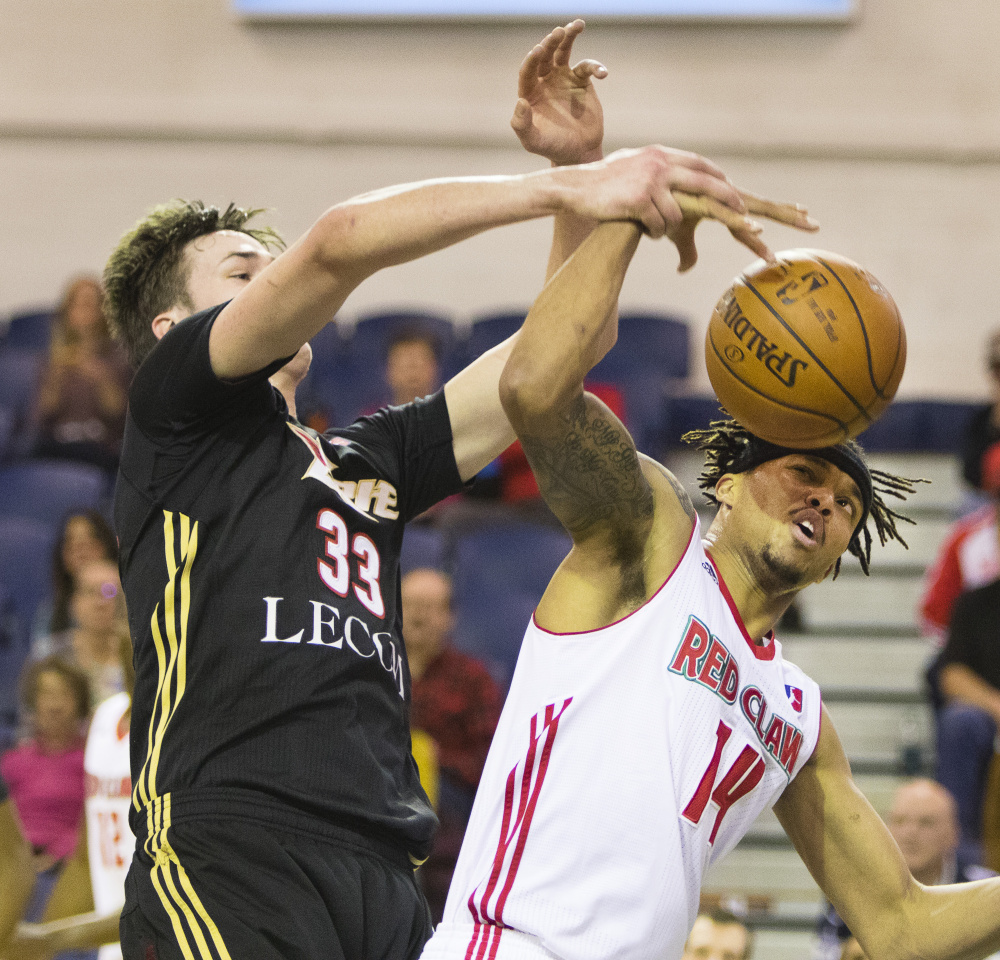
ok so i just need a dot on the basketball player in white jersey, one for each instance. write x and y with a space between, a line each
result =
85 905
651 716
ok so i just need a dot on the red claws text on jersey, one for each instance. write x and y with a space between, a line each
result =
704 659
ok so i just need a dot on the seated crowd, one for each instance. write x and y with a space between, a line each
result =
74 662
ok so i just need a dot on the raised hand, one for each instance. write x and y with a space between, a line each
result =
558 115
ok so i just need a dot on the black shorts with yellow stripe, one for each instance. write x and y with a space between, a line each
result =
228 889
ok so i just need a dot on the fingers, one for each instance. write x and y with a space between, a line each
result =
702 206
790 213
553 51
743 228
587 69
563 49
521 121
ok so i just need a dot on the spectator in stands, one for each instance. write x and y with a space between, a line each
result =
45 774
412 364
457 703
81 400
85 537
16 874
84 908
718 934
968 558
967 723
97 608
981 445
923 820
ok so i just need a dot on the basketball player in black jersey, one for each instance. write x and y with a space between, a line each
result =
276 806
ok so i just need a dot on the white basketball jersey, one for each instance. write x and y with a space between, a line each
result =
626 761
109 788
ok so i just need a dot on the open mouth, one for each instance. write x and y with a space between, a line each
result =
805 531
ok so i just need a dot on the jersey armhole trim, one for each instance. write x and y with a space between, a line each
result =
580 633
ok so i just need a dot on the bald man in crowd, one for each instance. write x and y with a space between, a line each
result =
923 820
457 703
718 935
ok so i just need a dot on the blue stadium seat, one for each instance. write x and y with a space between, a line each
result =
19 373
500 573
373 331
425 546
690 413
46 490
489 329
647 341
25 567
651 354
30 330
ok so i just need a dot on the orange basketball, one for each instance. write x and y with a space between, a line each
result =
806 352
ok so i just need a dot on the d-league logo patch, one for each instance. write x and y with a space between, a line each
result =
794 695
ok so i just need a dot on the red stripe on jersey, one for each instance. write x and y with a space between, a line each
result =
527 801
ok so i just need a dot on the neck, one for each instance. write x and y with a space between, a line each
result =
759 608
95 646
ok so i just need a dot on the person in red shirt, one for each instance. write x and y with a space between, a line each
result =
457 703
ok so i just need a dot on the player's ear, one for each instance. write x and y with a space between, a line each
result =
164 321
724 489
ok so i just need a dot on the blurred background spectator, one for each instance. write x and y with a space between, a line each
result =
718 934
923 820
45 772
84 537
456 702
981 444
412 364
82 395
969 672
99 622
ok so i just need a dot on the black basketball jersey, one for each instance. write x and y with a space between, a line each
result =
260 563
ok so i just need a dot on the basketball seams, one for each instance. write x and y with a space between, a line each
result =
864 331
780 403
834 380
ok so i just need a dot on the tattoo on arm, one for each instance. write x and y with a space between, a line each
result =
589 473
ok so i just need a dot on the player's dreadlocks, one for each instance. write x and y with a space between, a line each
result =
730 448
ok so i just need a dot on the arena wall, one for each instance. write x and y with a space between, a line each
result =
887 128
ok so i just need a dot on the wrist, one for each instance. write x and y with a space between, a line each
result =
589 156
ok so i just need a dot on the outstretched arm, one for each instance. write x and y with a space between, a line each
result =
852 856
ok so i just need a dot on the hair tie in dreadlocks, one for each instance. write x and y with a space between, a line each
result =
730 448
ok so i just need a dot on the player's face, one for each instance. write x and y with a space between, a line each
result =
715 941
55 706
96 597
427 616
80 545
797 514
220 265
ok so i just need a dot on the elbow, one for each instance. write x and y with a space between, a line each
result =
528 399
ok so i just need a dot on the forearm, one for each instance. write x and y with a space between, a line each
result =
958 922
83 932
398 224
564 334
959 683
